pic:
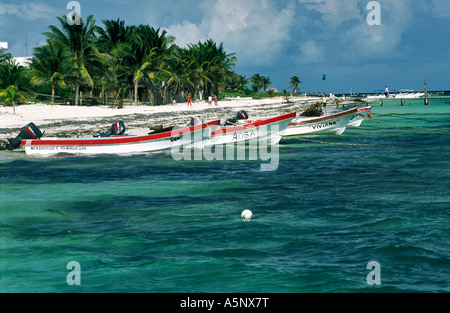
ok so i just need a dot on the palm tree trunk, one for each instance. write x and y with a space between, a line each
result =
77 94
103 94
136 92
53 94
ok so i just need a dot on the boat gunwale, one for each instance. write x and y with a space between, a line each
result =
324 118
117 140
222 130
364 109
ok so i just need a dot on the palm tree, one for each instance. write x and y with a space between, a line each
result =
181 72
265 81
142 56
196 69
5 57
77 41
114 74
10 72
5 65
12 95
256 81
210 66
221 64
114 32
295 82
238 83
48 66
113 78
242 82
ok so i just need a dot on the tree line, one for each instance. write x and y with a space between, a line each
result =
117 62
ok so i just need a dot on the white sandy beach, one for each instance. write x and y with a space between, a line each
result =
59 120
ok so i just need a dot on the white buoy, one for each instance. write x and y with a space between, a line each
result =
246 214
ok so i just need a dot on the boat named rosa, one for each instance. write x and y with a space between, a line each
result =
333 124
242 129
193 135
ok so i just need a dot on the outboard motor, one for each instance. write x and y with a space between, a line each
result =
195 121
117 129
241 115
31 131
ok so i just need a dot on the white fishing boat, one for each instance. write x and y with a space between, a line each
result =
329 124
409 95
370 98
242 129
396 94
193 135
362 114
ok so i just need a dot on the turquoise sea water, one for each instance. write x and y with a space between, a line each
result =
151 224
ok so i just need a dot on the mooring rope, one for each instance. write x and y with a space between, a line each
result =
407 115
338 143
412 128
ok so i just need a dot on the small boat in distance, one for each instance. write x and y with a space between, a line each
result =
193 135
329 124
241 129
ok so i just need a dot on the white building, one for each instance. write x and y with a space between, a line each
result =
3 47
23 61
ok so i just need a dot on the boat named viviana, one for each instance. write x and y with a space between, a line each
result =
330 124
242 129
115 141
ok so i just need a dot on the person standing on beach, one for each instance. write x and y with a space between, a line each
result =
210 100
324 102
216 100
189 100
386 91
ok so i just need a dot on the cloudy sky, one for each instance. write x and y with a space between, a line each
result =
280 38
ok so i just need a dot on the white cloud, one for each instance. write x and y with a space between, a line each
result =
333 12
310 52
341 31
186 33
396 19
309 31
21 25
441 8
29 11
256 30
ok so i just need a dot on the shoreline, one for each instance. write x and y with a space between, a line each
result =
73 121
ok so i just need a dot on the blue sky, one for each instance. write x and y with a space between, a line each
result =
280 38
